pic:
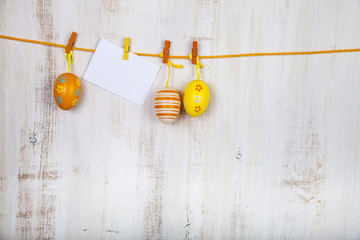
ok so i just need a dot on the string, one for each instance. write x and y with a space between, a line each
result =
200 57
69 58
198 66
168 64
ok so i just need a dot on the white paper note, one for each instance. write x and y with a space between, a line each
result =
130 79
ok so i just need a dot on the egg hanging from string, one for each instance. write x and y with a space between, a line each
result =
197 94
167 104
196 98
67 91
67 87
167 101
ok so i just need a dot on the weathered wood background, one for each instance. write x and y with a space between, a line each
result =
275 156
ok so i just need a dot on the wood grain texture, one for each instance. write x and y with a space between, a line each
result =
275 156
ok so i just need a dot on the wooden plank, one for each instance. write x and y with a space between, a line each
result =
276 154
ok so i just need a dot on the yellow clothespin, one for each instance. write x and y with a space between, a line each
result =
126 48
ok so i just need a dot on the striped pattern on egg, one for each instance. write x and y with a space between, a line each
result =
167 104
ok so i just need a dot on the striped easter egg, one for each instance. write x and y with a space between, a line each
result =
167 104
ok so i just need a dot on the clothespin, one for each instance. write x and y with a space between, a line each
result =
126 48
166 51
70 43
194 52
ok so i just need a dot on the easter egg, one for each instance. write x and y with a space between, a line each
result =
167 104
67 91
196 98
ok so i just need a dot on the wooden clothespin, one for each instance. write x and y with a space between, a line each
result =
194 52
126 48
70 43
166 51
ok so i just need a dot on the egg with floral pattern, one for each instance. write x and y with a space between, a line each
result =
67 91
196 98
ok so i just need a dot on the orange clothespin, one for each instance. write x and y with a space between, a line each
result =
194 52
70 43
166 51
126 48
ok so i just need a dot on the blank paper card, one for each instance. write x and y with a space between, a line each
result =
130 79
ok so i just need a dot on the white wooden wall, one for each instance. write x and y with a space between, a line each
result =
275 156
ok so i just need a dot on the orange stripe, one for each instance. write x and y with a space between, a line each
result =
169 118
167 109
167 106
171 112
167 114
167 103
168 91
166 98
167 95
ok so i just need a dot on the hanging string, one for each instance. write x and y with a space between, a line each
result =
186 57
70 59
168 64
198 66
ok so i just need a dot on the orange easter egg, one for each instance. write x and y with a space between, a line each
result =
167 104
67 91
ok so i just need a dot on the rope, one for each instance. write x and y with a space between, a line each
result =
198 66
168 64
186 57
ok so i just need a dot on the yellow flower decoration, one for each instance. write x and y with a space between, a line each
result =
74 102
59 89
78 82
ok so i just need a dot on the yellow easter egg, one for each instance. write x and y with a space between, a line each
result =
196 98
67 91
167 104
